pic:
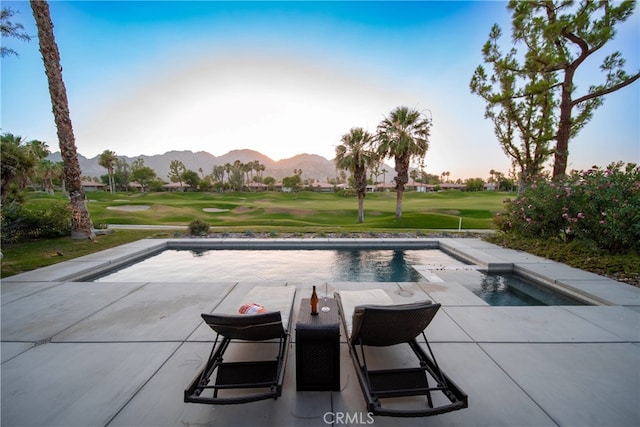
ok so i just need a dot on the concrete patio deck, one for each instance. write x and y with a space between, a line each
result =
121 354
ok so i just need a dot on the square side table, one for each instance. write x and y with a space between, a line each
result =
318 347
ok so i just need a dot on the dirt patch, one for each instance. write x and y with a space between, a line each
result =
129 208
242 209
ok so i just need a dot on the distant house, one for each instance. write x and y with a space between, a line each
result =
257 186
135 186
490 186
175 186
452 186
423 188
381 187
89 186
322 187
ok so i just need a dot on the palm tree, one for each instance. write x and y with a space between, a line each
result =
17 163
247 168
403 135
81 226
46 169
38 151
58 174
218 175
355 154
108 160
227 169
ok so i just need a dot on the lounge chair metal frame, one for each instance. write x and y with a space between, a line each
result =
265 375
404 323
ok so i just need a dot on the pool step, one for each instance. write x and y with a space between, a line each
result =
427 270
449 267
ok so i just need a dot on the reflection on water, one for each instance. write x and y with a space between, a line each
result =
280 265
374 266
495 291
511 290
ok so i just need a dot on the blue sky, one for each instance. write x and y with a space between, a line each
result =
283 79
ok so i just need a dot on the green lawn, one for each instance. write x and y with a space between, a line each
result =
301 210
27 256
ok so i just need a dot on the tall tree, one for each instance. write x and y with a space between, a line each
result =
81 226
403 135
559 37
122 173
142 174
47 170
108 160
236 176
191 178
227 169
176 172
355 154
218 175
17 163
20 161
520 104
10 29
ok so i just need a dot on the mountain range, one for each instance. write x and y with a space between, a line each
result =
313 166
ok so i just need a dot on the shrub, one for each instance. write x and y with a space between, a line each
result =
599 206
197 227
21 223
347 192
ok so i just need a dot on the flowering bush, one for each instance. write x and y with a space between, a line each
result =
601 206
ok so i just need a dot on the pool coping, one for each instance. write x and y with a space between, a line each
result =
588 287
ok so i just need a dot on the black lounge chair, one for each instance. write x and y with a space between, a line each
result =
387 325
249 381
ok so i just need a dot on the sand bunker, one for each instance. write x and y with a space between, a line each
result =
129 208
214 210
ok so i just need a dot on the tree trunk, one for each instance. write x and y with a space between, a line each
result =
402 177
360 208
399 194
81 227
564 128
112 182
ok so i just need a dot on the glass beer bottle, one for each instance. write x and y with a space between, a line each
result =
314 302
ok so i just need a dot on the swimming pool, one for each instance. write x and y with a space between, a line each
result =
288 265
318 266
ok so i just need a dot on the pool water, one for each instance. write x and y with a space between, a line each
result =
321 265
512 290
293 266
